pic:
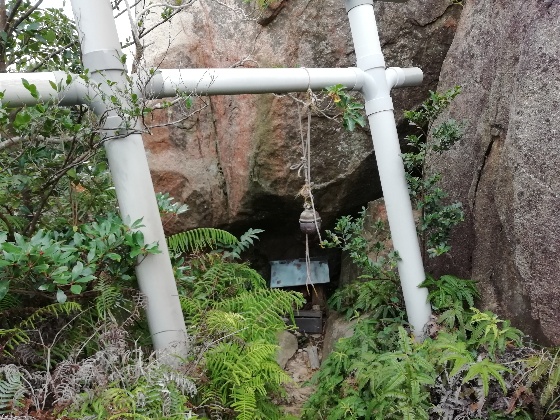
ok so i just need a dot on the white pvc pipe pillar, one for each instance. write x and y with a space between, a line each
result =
131 176
379 108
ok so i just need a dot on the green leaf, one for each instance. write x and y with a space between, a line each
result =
31 88
85 279
91 253
76 289
49 36
61 296
5 263
113 256
22 119
77 270
4 288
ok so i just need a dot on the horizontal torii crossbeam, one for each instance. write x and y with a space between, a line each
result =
129 166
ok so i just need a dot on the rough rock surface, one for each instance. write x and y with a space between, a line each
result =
231 162
336 327
506 169
288 345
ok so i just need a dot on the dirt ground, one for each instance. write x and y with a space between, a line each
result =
299 367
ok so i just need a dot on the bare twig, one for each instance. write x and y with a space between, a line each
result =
17 140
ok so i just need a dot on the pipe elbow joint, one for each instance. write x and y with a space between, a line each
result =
398 77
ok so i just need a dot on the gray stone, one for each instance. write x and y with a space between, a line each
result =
336 327
288 346
506 169
313 357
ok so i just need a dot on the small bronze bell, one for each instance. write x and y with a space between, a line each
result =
309 221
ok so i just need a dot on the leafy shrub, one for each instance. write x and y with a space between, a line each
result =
68 261
437 217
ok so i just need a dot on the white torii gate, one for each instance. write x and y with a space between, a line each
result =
129 167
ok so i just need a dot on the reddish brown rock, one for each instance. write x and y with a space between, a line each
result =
231 162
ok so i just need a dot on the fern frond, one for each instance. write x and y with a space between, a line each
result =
241 373
54 310
245 241
199 239
9 301
18 335
545 371
450 349
109 294
244 403
12 389
445 291
486 370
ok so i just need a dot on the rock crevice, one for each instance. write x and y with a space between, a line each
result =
507 166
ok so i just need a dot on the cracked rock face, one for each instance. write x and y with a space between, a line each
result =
506 169
231 162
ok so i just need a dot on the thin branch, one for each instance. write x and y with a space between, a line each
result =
147 31
133 24
178 121
119 14
3 17
236 10
154 5
51 185
51 55
13 13
23 17
17 140
11 232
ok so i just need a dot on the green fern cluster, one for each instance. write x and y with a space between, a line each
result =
544 373
473 365
376 289
235 319
244 375
197 240
20 333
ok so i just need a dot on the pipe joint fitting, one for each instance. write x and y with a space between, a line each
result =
103 60
152 87
360 79
71 89
385 103
350 4
371 61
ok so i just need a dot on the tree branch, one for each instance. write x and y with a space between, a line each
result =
51 55
17 140
3 16
11 233
3 24
25 15
13 13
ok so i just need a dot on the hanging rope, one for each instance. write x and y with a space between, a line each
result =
306 191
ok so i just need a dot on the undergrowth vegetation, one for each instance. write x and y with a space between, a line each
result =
470 365
74 342
88 356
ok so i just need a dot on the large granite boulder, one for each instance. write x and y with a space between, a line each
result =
506 169
231 162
